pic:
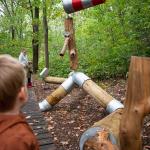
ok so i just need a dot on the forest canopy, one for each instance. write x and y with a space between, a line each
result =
106 35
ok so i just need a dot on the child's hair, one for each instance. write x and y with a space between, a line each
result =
12 78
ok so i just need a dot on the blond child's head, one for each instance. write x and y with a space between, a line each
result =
12 84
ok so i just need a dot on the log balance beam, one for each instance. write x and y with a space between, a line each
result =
80 79
107 101
49 79
121 127
54 80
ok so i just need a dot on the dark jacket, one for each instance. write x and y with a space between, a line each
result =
15 134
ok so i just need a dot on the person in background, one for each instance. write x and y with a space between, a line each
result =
23 59
29 73
15 133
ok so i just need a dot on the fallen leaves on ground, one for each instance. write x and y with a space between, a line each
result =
78 111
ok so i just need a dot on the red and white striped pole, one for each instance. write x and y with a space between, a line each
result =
71 6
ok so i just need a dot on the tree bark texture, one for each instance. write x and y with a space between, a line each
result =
12 32
69 28
45 27
137 104
35 41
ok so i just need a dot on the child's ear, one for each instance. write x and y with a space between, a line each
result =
22 95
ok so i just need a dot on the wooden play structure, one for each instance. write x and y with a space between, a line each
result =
70 43
71 6
121 129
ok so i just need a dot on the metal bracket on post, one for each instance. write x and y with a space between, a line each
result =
114 105
44 73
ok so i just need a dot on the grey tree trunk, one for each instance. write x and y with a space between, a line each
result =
45 27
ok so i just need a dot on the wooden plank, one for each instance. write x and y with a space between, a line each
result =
40 131
34 117
37 122
32 112
48 147
45 142
43 136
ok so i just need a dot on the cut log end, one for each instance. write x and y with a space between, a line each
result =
62 55
100 142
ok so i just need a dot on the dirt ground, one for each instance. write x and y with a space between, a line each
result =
78 111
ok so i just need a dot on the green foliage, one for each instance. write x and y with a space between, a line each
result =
106 36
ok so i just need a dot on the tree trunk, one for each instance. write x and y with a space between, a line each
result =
35 40
137 104
45 26
12 33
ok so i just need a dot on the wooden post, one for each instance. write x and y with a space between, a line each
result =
137 104
62 52
69 28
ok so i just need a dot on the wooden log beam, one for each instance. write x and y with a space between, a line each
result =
62 52
111 123
69 28
80 79
97 92
54 80
100 140
56 96
105 100
137 104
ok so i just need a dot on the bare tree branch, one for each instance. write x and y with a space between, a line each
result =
6 6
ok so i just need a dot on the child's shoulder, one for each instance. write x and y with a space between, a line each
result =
19 135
